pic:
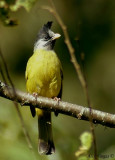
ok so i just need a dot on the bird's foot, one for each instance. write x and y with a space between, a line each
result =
35 94
58 100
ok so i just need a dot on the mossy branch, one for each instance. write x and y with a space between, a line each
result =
73 110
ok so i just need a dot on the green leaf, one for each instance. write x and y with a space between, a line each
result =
13 5
86 142
83 158
4 15
27 4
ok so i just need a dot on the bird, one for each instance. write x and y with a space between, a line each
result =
44 76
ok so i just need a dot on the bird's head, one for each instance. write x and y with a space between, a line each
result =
46 38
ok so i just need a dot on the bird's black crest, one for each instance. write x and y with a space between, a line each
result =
48 25
44 30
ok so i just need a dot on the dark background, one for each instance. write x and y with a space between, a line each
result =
93 21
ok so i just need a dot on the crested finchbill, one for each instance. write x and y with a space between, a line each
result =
44 76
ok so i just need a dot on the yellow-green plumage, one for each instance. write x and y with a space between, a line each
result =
43 75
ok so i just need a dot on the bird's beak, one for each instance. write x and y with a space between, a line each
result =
56 36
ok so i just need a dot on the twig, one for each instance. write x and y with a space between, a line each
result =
53 10
73 110
68 43
28 139
88 100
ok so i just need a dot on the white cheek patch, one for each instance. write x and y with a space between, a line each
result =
51 34
39 44
42 44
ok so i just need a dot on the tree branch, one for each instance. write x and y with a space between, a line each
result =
73 110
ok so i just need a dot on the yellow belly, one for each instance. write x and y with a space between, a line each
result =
43 74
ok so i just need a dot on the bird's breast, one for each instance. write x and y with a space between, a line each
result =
43 73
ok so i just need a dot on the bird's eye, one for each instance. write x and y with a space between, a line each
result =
46 37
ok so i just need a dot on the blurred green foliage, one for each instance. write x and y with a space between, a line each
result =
93 23
86 143
7 6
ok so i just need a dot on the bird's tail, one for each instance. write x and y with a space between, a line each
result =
45 142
